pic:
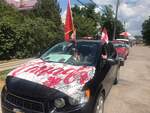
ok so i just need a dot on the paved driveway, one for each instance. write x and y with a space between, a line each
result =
132 94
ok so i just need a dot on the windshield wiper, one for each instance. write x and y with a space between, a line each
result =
46 60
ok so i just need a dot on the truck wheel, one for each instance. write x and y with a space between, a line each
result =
116 81
117 76
99 106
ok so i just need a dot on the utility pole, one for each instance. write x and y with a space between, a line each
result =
125 25
116 17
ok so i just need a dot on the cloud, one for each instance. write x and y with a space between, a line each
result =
134 12
103 2
63 16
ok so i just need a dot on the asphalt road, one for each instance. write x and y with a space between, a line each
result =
132 94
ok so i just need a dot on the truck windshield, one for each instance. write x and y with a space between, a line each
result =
73 54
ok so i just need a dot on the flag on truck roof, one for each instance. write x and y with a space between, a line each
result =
104 37
69 26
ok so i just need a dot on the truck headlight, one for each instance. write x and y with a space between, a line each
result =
59 103
79 98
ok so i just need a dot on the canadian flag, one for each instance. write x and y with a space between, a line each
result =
104 37
69 27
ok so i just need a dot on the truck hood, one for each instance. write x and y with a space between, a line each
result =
62 77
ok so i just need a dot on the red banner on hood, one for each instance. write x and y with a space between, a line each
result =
53 74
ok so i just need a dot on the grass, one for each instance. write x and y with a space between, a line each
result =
3 74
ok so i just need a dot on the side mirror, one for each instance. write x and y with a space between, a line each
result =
111 61
38 55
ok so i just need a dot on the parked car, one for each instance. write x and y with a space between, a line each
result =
126 41
67 78
122 50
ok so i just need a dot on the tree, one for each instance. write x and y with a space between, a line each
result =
86 20
9 19
48 9
146 31
107 21
25 33
89 22
34 36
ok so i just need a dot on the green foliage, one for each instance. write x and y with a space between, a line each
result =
86 20
146 31
3 74
48 9
85 26
24 34
89 22
8 21
108 20
36 34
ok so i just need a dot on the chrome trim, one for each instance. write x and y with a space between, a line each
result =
16 110
24 100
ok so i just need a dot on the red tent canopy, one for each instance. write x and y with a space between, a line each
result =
125 34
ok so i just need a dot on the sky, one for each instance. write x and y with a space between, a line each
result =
132 12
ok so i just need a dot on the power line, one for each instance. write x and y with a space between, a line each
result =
90 1
82 3
86 7
96 5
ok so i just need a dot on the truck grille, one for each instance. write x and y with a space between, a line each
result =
25 103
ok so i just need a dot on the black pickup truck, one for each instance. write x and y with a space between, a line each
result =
67 78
